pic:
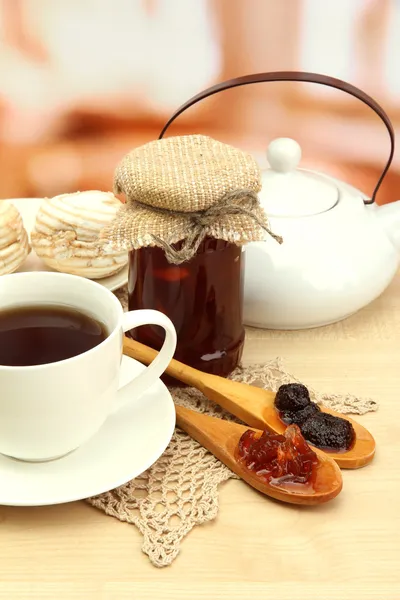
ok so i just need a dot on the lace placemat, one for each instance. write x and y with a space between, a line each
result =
181 489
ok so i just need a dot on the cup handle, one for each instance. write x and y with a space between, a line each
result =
140 383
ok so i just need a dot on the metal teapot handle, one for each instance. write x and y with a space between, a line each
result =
304 77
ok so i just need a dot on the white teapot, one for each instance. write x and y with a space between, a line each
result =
340 250
338 253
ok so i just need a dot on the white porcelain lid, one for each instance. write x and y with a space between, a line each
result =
288 191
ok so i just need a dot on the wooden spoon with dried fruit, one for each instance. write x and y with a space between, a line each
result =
317 479
255 406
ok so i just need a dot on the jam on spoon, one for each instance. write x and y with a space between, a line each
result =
279 459
320 429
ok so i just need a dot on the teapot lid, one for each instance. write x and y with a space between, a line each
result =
288 191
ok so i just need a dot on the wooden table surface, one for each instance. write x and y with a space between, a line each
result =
349 548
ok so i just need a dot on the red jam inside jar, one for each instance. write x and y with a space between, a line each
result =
203 297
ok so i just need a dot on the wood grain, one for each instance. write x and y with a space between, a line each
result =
347 549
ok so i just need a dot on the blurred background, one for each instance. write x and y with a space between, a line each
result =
84 81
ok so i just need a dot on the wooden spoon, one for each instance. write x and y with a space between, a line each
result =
252 405
222 437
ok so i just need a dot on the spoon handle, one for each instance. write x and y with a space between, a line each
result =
175 369
244 401
210 432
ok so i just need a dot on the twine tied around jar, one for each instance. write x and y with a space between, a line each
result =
200 223
182 190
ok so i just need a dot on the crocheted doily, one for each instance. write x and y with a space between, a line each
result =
181 489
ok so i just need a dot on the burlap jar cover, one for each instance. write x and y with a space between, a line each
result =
181 489
182 189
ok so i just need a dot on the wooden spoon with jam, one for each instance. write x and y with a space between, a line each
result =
228 442
254 406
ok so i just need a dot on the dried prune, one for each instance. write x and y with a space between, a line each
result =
278 458
292 397
299 416
327 431
320 429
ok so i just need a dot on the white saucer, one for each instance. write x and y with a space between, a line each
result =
128 443
28 208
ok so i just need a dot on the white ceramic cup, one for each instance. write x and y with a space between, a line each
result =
49 410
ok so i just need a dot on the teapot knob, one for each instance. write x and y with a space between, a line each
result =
284 155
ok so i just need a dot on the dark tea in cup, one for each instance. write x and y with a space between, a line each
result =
42 334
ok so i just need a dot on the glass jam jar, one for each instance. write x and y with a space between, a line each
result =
203 297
